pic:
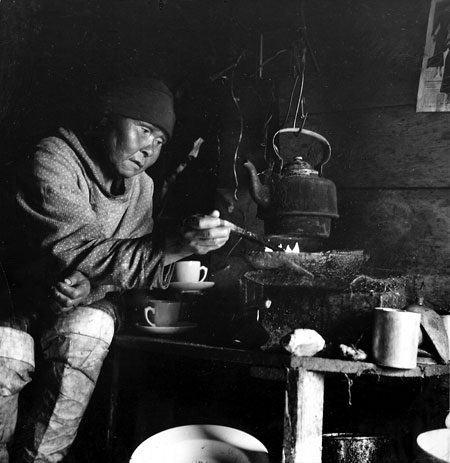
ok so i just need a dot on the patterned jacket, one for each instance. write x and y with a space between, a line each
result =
70 221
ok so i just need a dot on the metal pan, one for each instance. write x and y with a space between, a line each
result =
328 265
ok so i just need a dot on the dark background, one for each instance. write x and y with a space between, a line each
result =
390 164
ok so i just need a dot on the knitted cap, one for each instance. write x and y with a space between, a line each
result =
147 100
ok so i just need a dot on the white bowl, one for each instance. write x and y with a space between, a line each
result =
203 443
435 446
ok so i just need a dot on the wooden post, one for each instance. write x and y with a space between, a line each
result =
303 416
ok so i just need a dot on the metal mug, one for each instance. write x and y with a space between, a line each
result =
395 337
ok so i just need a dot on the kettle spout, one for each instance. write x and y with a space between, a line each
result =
259 192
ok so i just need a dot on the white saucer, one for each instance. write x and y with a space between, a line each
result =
182 286
182 327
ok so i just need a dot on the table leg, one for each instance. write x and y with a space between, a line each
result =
303 416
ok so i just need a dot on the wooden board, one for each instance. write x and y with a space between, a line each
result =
403 231
368 53
195 348
379 148
303 417
407 230
358 368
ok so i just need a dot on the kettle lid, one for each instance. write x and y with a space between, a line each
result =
299 167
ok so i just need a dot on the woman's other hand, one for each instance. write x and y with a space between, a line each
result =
71 292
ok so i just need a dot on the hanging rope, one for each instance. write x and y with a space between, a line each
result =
299 50
241 123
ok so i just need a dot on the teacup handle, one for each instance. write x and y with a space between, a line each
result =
205 270
146 311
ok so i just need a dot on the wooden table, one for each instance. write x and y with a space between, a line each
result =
304 378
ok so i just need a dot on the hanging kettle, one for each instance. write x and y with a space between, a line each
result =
296 202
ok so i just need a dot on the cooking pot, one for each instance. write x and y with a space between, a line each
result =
355 448
295 201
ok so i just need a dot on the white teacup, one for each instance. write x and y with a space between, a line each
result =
190 271
162 313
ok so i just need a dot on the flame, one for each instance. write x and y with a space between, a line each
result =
295 248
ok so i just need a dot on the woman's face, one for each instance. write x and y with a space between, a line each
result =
131 147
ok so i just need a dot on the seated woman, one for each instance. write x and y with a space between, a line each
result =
85 202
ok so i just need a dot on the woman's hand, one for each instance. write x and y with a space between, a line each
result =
204 233
70 292
199 234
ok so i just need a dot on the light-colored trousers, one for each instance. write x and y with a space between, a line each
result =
73 351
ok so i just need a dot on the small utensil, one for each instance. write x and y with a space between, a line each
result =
266 242
252 236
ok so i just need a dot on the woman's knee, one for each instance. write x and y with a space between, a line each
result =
84 321
80 338
16 360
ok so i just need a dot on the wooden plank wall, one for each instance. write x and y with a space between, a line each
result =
390 164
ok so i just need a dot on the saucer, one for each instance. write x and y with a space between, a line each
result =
185 286
181 327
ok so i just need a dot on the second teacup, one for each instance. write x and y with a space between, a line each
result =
162 313
190 271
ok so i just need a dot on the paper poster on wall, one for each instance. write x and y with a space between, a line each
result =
434 85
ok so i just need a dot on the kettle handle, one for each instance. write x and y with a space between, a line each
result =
298 130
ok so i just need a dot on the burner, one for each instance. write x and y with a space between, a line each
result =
339 307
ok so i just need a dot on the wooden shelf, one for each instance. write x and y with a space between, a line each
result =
194 349
325 365
304 378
